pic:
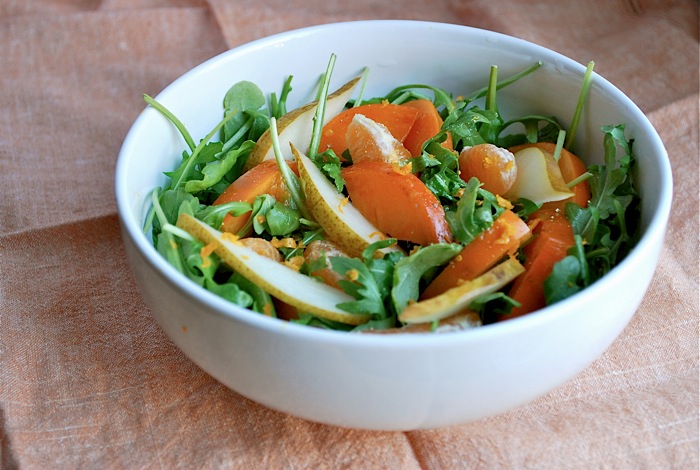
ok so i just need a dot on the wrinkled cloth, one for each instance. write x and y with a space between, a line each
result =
89 380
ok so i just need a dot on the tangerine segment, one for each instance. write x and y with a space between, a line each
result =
368 140
493 166
397 118
398 204
318 249
263 178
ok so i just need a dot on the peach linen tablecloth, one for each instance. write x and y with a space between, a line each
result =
87 378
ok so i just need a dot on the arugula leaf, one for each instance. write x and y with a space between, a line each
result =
475 212
169 204
363 287
317 322
261 301
370 279
523 207
607 229
215 170
474 125
381 265
230 291
204 271
563 281
612 189
269 215
214 215
330 165
182 174
534 131
490 306
409 271
243 99
439 170
281 220
464 125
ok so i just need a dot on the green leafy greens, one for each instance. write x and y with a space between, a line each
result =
606 230
383 282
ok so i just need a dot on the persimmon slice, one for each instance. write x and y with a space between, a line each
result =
397 203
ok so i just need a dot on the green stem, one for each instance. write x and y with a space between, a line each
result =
583 95
363 85
243 130
482 92
192 160
290 179
178 232
178 124
560 144
321 109
401 98
491 93
579 179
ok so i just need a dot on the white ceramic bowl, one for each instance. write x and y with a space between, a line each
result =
390 382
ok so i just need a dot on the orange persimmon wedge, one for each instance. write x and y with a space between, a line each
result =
397 203
503 238
553 236
428 124
263 178
397 118
571 167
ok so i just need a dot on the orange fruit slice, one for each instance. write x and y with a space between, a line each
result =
371 141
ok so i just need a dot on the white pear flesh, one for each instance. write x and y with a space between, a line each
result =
464 320
342 222
539 178
296 126
278 280
457 299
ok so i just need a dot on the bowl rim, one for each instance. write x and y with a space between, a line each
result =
221 307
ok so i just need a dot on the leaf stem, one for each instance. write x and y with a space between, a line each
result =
482 92
192 160
560 144
491 93
290 179
363 85
178 124
583 177
583 95
228 145
321 109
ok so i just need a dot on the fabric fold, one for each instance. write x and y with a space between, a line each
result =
89 380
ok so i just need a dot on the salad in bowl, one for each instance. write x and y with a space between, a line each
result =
422 210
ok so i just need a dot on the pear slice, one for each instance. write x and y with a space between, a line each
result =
464 320
278 280
539 177
342 222
458 298
296 126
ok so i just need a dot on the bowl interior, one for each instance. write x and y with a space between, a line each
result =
456 58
